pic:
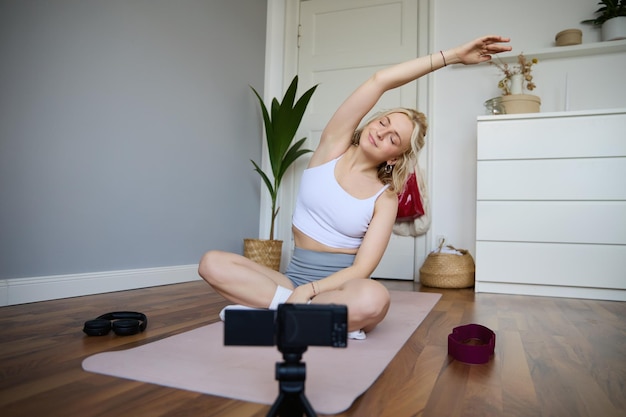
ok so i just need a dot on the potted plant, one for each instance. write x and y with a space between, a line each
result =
517 78
611 18
281 123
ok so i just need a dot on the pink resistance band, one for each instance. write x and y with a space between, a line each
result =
462 346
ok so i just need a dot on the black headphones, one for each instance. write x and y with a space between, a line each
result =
123 323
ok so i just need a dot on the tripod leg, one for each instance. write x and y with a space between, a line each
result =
308 409
291 405
276 406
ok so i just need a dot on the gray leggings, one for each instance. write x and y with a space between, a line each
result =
307 266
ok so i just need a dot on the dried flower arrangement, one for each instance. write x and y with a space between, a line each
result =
523 67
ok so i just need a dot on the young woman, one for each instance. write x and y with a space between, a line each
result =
347 202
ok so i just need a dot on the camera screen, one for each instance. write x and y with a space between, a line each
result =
312 325
249 327
291 326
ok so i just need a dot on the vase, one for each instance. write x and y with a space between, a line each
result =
516 83
614 29
521 103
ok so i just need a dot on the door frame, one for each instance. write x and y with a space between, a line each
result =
281 64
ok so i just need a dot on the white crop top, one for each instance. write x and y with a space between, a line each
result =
327 213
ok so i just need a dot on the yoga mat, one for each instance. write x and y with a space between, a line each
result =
198 361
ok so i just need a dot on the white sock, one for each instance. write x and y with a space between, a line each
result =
280 296
357 335
234 307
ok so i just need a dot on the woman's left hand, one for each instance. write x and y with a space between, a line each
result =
301 295
481 49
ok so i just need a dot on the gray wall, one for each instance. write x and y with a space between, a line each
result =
126 130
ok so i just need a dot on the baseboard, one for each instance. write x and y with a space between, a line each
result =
29 290
551 291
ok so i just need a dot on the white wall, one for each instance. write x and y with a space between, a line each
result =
457 97
126 133
595 82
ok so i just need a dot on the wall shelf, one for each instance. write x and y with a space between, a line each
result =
585 49
556 52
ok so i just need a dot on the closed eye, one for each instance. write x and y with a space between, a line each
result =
393 136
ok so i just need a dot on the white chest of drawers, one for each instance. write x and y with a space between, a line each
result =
551 204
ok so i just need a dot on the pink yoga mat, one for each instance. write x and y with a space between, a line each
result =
198 361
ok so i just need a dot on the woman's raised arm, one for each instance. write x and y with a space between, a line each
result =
337 134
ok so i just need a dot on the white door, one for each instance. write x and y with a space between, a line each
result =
341 44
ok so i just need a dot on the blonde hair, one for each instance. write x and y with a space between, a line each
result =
403 168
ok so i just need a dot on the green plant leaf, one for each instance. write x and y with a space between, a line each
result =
266 180
291 156
281 123
609 10
267 123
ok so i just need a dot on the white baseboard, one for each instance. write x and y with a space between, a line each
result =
28 290
552 291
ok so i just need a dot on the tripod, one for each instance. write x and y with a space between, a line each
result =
291 373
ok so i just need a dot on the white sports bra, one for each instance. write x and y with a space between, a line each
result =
327 213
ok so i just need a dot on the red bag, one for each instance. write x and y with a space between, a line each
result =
410 205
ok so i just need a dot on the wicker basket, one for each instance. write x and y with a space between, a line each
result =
264 252
447 270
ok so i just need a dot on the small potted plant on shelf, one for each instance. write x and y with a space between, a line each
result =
517 78
281 123
611 19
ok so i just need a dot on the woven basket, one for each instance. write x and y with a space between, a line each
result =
264 252
447 270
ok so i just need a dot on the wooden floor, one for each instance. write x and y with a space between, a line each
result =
554 357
